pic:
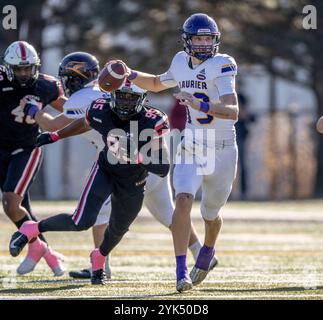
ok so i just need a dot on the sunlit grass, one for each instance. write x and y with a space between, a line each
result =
259 259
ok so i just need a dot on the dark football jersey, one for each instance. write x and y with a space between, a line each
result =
16 129
150 123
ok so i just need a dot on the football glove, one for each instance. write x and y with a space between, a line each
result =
46 138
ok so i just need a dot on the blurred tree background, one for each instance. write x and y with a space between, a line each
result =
145 33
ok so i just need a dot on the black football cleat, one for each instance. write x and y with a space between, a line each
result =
17 243
99 277
82 274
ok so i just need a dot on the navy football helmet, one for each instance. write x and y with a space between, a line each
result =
200 24
76 70
128 100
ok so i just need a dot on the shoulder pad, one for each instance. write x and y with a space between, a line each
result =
159 120
226 64
47 77
100 103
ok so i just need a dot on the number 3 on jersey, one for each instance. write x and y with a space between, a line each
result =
208 118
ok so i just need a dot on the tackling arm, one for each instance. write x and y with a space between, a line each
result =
50 123
59 103
34 109
76 127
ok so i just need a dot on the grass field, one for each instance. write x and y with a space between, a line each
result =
266 251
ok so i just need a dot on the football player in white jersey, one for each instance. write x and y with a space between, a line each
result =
78 72
206 80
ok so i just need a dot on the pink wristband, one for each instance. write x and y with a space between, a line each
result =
54 136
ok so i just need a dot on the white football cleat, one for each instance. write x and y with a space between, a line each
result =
27 265
184 285
198 275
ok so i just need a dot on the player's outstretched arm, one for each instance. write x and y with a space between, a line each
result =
144 80
50 123
47 122
147 81
76 127
59 103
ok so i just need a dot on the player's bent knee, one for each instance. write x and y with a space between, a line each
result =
211 214
214 221
184 201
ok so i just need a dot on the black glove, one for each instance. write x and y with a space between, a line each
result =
46 138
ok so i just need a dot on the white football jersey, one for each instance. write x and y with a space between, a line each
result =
204 82
75 107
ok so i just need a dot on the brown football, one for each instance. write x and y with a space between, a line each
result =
112 76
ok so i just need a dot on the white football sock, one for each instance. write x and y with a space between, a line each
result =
195 248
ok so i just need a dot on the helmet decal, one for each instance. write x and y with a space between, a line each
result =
77 67
76 70
22 51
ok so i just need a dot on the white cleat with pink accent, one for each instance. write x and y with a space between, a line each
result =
36 250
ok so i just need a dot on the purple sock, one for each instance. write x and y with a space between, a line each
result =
205 256
181 268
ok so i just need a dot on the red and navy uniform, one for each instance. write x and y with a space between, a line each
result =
101 118
19 160
124 182
16 129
